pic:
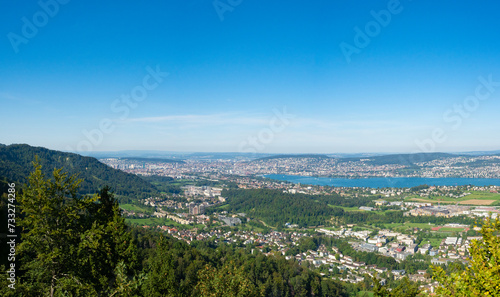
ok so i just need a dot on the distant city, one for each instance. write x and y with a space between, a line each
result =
487 166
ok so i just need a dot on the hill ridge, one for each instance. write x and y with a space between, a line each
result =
16 165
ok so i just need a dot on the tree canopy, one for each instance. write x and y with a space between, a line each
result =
70 244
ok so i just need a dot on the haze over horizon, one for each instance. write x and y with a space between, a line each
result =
385 76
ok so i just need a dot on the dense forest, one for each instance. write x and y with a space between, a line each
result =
336 200
277 208
16 164
79 245
164 184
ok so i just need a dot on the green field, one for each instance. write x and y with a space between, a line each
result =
482 195
475 195
247 227
405 226
449 229
392 225
133 207
433 199
434 241
346 208
420 225
223 207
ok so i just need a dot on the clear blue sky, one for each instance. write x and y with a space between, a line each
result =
230 69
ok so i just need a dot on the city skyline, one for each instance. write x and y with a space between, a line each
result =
241 76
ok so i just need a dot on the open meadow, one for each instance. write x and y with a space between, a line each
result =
474 198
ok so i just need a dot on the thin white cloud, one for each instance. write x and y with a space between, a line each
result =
210 119
10 97
191 121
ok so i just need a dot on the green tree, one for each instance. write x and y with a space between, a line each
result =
70 244
405 289
106 242
482 276
172 269
227 281
52 216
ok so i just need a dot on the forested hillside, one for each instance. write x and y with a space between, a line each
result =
16 164
277 208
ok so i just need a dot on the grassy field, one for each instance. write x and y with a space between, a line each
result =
475 198
449 229
420 225
392 225
225 206
445 231
146 221
248 227
433 201
434 241
346 208
404 226
133 207
483 195
477 202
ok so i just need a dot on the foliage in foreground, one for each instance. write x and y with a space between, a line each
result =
70 244
482 276
405 289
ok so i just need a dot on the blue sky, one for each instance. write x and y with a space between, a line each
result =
236 65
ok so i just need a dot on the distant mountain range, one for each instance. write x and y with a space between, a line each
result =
16 163
176 155
374 157
402 159
164 160
299 156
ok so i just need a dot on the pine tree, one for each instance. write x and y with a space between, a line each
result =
72 244
405 289
52 216
227 281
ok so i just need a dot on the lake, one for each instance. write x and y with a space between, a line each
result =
383 182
